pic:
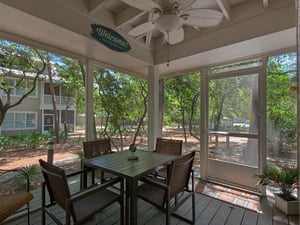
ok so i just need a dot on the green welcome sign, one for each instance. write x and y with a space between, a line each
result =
110 38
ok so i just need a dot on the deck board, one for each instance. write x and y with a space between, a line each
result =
222 214
250 218
266 217
209 211
236 216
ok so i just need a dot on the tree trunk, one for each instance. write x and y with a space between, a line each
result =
144 94
183 124
52 91
195 99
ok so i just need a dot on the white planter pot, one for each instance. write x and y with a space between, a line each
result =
288 207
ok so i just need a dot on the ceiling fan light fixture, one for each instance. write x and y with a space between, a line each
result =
168 22
170 16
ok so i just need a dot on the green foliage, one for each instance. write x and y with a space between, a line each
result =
230 99
179 95
4 141
26 174
285 178
50 134
34 139
72 73
28 140
121 100
25 64
281 105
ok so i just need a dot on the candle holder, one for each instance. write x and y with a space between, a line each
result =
132 148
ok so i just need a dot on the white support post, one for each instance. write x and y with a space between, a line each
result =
89 102
298 85
204 124
154 127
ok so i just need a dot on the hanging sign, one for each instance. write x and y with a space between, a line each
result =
110 38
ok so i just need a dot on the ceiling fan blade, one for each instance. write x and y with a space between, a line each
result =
141 29
175 36
145 5
202 17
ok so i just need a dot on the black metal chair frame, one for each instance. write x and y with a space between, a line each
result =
166 146
93 149
76 197
166 190
25 201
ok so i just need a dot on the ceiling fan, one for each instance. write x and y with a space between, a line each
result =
169 17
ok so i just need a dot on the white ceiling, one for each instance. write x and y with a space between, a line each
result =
249 27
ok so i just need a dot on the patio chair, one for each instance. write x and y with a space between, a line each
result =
167 146
80 206
93 149
160 192
12 202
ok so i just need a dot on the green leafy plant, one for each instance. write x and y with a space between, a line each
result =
285 178
25 176
4 141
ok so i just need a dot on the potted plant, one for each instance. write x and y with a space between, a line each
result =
287 180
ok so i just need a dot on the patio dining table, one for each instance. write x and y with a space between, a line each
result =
131 170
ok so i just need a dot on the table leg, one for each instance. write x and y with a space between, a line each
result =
127 193
133 202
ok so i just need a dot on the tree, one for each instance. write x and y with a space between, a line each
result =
26 65
141 113
180 96
281 103
72 74
229 100
122 101
234 99
195 107
53 96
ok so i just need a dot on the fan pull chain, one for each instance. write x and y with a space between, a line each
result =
168 51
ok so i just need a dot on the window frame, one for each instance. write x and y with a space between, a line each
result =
15 89
14 121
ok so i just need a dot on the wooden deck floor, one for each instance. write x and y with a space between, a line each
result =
209 211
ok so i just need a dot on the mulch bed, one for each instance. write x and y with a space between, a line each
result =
14 158
12 186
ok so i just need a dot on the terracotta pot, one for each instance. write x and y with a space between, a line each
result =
288 207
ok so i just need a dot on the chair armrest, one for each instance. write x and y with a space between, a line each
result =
157 183
76 172
193 179
193 172
86 192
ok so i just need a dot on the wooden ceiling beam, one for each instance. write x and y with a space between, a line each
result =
127 15
95 5
266 3
225 8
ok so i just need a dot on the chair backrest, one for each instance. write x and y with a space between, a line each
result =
56 182
179 173
168 146
96 148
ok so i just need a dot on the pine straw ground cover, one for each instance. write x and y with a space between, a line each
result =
20 157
